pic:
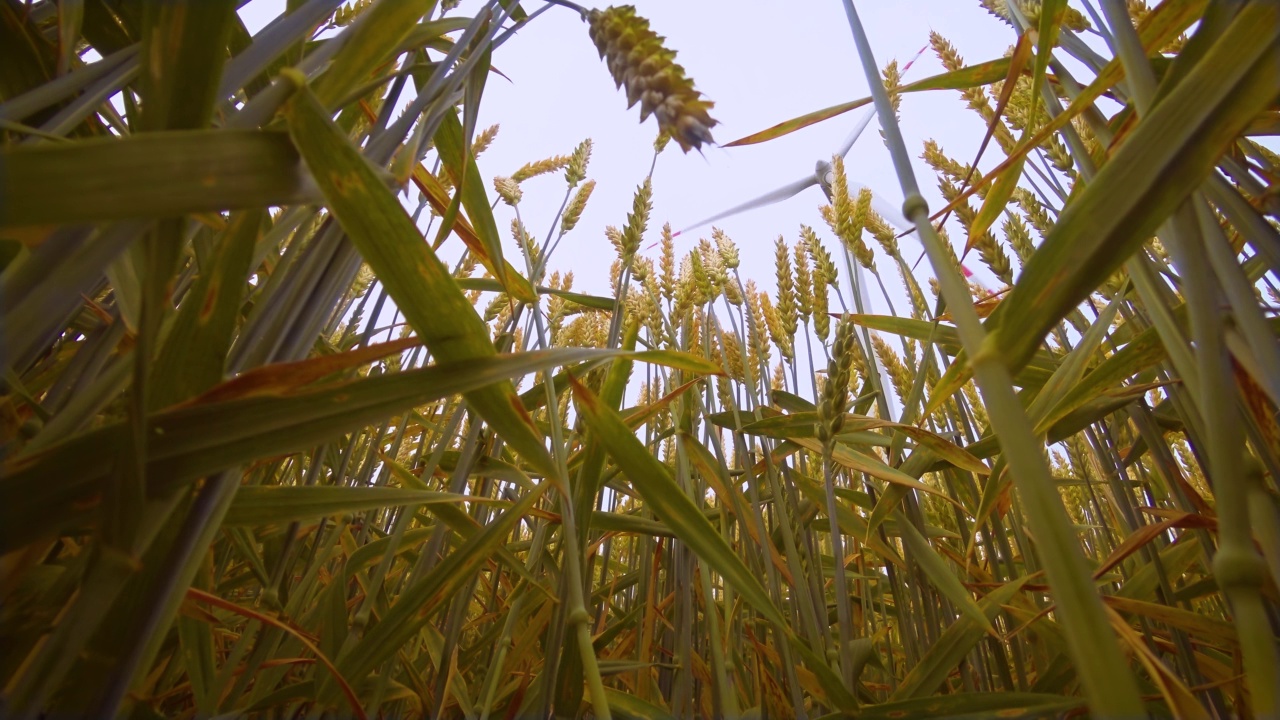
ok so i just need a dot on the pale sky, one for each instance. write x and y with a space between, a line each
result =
761 63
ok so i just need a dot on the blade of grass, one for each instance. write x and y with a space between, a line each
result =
421 285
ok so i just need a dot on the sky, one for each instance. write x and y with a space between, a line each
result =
760 63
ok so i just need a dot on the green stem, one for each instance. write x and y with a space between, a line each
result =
1105 675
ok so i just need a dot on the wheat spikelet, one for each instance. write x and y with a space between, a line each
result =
893 84
728 251
573 211
778 379
823 264
668 264
479 144
1034 211
615 276
757 333
683 293
508 189
989 249
733 357
639 61
787 308
724 392
1060 156
702 287
656 319
919 308
1072 19
994 257
821 318
347 14
804 283
528 246
495 307
540 167
835 393
716 272
899 375
483 140
880 230
846 223
773 322
954 170
1015 231
614 236
733 292
660 143
974 96
576 171
976 408
637 221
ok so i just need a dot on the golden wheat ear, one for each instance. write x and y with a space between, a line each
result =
638 60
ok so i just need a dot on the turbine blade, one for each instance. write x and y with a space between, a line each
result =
847 145
871 112
769 198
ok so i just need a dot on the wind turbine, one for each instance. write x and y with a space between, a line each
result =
824 176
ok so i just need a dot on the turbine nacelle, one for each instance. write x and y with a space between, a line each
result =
825 175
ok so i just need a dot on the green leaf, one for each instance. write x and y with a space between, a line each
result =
653 481
595 302
366 44
1036 372
861 462
149 175
1161 26
283 378
57 488
1215 631
198 657
1141 353
590 470
455 153
184 46
944 581
967 77
1166 157
952 646
70 19
976 706
983 73
257 505
194 353
415 605
1008 180
629 707
630 524
1051 15
1072 369
850 522
436 194
421 285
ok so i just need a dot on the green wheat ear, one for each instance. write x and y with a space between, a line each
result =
638 60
